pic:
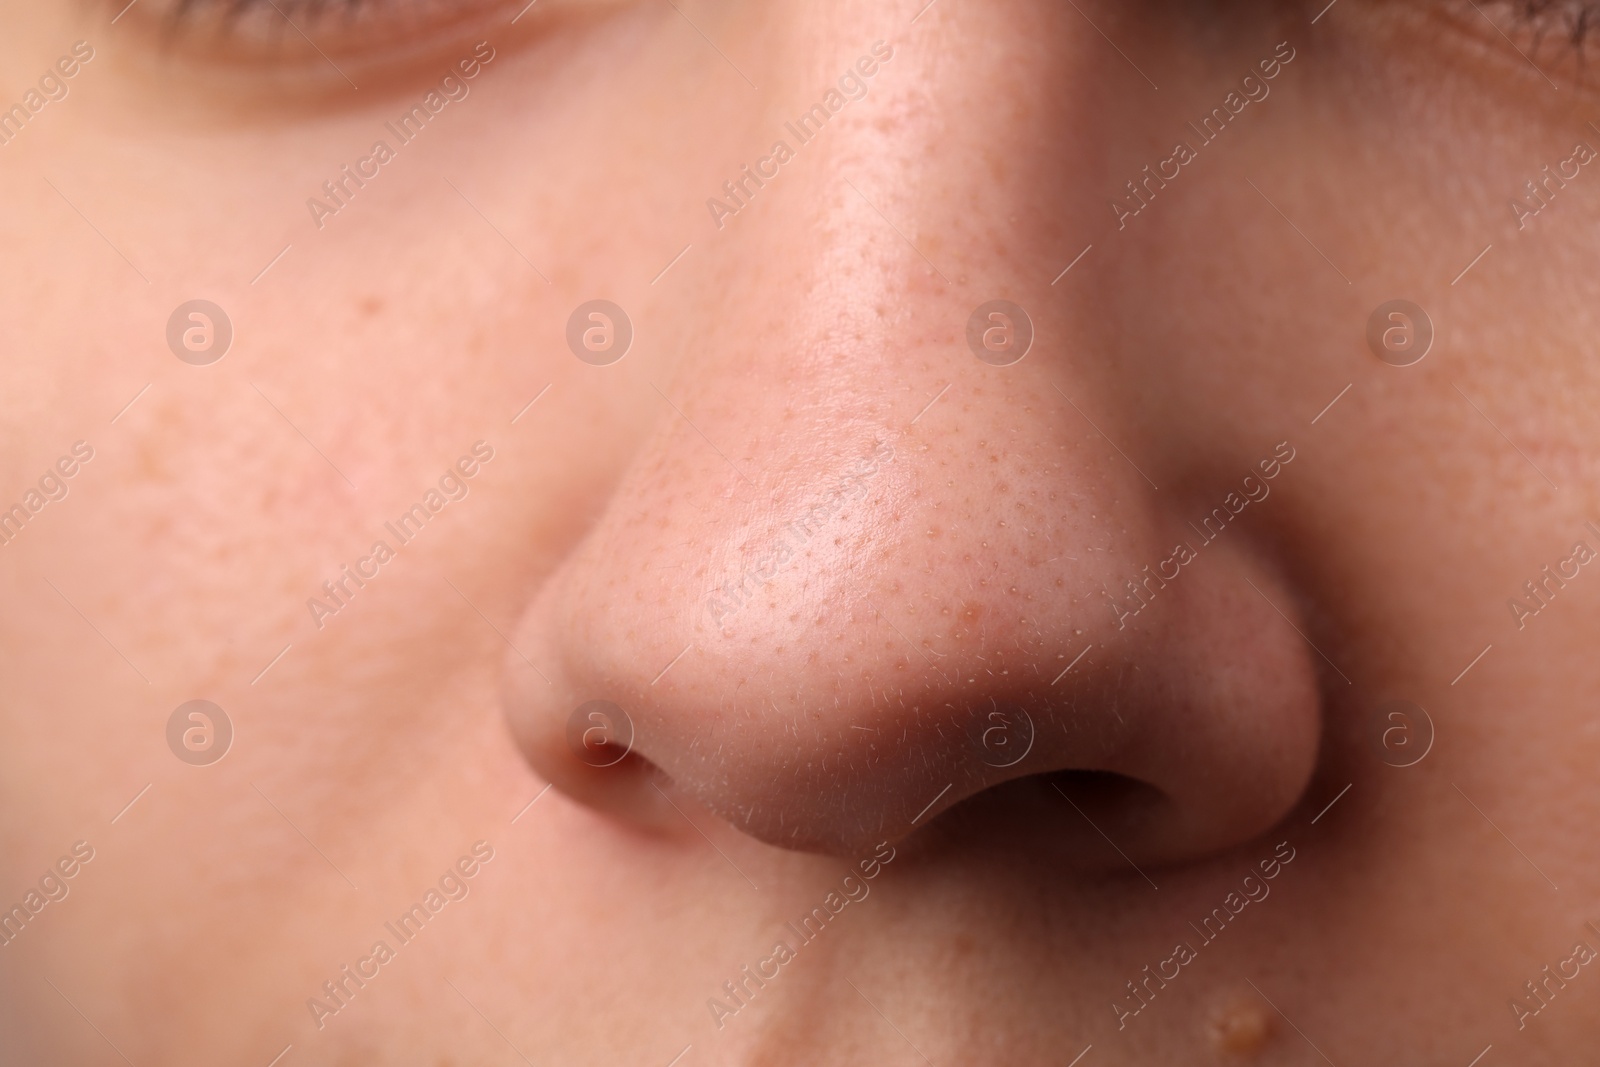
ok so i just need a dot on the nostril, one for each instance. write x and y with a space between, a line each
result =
1106 792
1084 820
1116 806
830 738
1002 734
600 733
596 761
614 780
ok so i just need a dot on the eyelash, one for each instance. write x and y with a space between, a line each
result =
1578 16
1575 19
230 11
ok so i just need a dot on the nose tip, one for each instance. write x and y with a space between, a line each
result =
831 660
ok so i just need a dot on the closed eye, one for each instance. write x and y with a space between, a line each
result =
1534 23
1573 20
335 34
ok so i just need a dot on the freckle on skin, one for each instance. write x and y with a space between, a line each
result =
1240 1026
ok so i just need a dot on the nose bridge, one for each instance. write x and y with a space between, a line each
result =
850 254
881 167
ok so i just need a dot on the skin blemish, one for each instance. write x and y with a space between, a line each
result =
1239 1026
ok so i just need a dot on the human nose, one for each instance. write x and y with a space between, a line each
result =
870 564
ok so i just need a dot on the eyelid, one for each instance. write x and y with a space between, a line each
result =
1526 46
1539 20
311 39
1576 19
342 26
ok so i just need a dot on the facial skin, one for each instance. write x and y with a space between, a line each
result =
931 551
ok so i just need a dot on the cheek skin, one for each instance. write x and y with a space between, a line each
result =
824 321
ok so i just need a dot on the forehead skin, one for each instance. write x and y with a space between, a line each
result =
770 355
